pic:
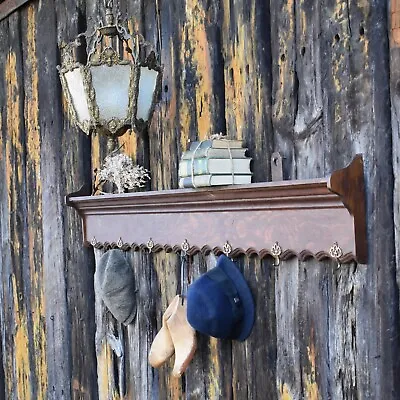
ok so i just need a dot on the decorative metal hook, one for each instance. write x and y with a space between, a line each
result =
276 251
120 242
185 246
93 242
336 252
150 245
227 248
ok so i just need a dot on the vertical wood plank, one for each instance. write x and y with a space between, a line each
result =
192 102
7 309
107 376
284 81
34 242
309 135
361 96
247 79
210 374
54 253
79 262
395 103
3 211
164 130
288 370
141 331
261 345
18 281
315 330
167 282
343 343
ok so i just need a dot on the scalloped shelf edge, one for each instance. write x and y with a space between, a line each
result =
206 250
306 219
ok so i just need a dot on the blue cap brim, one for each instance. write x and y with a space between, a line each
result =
229 267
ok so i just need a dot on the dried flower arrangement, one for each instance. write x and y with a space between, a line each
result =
120 170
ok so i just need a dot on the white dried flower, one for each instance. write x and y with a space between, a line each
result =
120 170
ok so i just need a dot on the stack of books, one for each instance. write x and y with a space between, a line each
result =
214 162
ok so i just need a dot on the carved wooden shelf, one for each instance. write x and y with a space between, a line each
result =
305 218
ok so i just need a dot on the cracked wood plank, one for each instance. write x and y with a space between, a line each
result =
395 102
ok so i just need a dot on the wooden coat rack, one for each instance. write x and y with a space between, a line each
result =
321 218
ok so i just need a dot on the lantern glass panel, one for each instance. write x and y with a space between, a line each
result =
112 85
147 87
74 80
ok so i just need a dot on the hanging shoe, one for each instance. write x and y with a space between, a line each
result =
183 337
162 347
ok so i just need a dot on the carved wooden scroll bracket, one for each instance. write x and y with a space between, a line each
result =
320 218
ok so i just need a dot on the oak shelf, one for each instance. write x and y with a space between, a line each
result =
283 219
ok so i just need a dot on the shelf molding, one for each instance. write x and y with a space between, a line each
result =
320 218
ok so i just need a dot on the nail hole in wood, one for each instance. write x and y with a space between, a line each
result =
303 51
166 88
283 57
362 31
231 75
337 38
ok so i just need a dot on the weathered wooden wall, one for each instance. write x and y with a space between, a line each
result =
317 81
394 29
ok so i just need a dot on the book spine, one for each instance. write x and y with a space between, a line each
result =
200 153
187 183
206 144
200 167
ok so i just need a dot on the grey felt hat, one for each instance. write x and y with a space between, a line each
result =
114 282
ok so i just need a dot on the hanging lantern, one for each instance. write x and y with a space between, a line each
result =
115 90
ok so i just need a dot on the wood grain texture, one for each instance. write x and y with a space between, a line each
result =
249 218
44 329
79 286
4 212
247 78
34 240
395 102
316 81
347 56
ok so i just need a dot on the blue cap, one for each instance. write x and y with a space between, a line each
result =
220 303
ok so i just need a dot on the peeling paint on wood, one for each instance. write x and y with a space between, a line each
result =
21 343
395 23
34 206
311 385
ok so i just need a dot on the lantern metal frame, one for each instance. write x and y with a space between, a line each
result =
99 54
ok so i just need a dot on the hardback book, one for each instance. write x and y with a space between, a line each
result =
215 166
213 180
210 152
216 144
